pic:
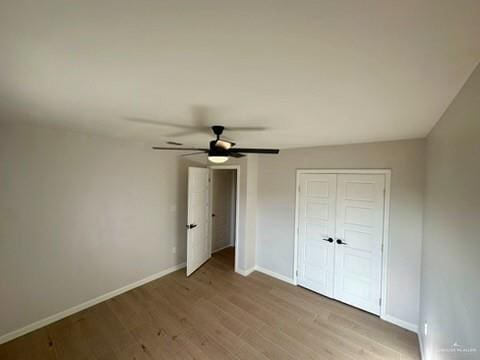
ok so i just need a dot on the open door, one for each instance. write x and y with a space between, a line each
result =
197 219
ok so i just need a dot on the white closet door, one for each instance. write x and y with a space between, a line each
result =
358 245
316 220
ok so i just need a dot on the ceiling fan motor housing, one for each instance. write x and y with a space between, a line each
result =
216 150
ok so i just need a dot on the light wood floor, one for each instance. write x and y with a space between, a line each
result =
217 314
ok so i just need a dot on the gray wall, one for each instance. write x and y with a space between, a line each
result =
82 215
276 210
223 206
450 297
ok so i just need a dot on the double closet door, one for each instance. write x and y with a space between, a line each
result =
340 236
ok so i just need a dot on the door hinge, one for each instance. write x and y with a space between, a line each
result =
382 248
380 301
296 272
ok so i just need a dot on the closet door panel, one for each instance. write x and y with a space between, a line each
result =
358 240
316 221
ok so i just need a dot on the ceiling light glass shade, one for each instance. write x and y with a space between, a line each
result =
217 159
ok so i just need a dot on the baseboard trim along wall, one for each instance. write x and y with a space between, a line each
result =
420 343
275 275
403 324
245 272
221 248
63 314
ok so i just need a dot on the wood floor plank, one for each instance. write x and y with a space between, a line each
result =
387 339
209 346
288 344
36 345
265 346
237 312
324 348
375 348
207 324
247 352
217 314
192 349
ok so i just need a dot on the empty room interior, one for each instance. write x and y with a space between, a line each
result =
246 180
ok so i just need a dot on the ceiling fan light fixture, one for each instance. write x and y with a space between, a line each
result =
217 159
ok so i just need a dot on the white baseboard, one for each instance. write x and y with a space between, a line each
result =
221 248
422 350
403 324
275 275
245 272
62 314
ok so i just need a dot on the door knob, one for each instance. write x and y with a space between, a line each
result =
330 240
191 226
340 242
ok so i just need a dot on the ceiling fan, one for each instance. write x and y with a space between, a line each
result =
219 150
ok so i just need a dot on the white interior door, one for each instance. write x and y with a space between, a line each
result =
197 219
359 236
316 221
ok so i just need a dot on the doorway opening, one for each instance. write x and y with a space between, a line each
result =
224 186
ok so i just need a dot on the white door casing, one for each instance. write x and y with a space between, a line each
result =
316 221
359 229
198 249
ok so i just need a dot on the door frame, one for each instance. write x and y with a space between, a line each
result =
386 221
237 206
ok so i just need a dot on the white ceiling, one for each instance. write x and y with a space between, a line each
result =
313 72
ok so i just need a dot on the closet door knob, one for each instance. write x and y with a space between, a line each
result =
330 240
340 242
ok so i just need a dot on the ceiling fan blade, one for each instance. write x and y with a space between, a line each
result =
177 148
191 129
161 123
195 153
183 133
254 151
245 128
236 155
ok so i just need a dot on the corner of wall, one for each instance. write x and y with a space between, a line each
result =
251 211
